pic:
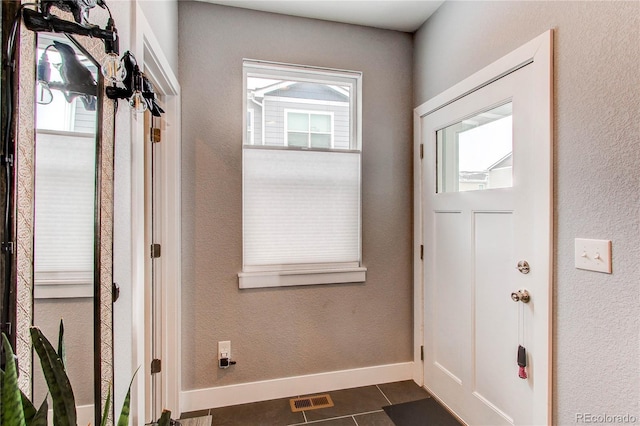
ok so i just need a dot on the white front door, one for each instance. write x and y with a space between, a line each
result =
486 207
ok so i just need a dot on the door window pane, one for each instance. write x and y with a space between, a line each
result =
476 153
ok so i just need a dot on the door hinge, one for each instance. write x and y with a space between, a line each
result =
156 134
422 353
421 251
156 250
421 151
156 366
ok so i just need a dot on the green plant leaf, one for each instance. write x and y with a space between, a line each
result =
165 418
107 405
61 349
28 408
64 406
12 413
40 418
126 406
31 416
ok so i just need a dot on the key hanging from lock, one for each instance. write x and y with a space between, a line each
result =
522 362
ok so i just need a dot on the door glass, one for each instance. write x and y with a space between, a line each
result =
476 153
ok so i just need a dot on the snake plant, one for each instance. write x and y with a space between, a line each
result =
17 410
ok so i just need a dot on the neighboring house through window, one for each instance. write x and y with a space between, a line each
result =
301 176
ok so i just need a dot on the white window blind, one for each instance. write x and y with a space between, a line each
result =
64 215
301 207
302 196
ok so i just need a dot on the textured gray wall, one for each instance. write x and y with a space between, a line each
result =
596 168
286 332
162 16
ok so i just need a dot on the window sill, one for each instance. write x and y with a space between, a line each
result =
264 279
62 291
63 284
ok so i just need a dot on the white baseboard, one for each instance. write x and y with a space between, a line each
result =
202 399
85 415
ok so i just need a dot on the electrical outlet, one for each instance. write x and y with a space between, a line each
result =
224 353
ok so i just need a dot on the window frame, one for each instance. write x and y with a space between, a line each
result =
306 73
275 275
250 125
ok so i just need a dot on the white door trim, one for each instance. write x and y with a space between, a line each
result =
537 53
418 263
154 63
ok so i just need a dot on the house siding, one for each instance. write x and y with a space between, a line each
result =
275 119
314 91
257 122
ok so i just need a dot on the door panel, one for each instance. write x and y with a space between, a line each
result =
495 319
449 327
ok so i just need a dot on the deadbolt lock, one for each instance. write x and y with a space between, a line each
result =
523 267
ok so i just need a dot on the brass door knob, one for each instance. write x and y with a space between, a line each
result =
521 296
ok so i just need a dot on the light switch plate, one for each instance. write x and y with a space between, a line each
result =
593 255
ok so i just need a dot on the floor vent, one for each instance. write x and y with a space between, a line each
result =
310 403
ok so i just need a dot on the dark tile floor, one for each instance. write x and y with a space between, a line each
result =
352 407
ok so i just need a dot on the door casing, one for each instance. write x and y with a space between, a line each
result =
156 67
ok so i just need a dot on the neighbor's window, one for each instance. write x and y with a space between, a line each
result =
309 129
301 176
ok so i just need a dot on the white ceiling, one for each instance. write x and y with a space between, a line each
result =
399 15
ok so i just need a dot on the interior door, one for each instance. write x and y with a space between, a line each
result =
486 205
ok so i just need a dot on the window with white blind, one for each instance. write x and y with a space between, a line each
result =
301 176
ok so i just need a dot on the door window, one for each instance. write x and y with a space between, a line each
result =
476 153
